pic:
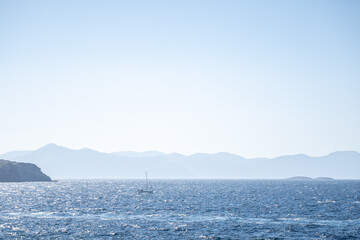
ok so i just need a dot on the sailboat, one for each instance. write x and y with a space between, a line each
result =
148 188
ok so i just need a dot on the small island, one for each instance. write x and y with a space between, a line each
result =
21 172
299 178
309 178
323 178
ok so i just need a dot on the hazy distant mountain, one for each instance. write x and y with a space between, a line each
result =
139 154
15 154
61 162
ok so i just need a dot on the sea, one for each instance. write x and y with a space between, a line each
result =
181 209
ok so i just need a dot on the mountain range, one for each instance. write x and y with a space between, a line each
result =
64 163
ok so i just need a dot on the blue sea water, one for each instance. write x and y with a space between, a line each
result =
181 209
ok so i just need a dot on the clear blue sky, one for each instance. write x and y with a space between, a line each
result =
255 78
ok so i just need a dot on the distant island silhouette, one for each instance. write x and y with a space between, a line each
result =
21 172
65 163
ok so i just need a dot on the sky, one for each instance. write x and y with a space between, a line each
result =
254 78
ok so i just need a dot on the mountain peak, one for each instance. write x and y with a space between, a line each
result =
50 147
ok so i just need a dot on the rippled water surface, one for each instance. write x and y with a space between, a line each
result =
181 209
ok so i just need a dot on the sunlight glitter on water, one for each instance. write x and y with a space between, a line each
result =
181 209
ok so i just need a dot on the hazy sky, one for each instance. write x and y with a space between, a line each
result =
255 78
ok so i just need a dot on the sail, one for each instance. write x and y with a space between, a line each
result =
148 188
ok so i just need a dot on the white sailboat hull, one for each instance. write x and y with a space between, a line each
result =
145 191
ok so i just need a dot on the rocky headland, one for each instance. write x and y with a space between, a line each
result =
11 171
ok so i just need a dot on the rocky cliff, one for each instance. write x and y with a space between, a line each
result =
20 172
